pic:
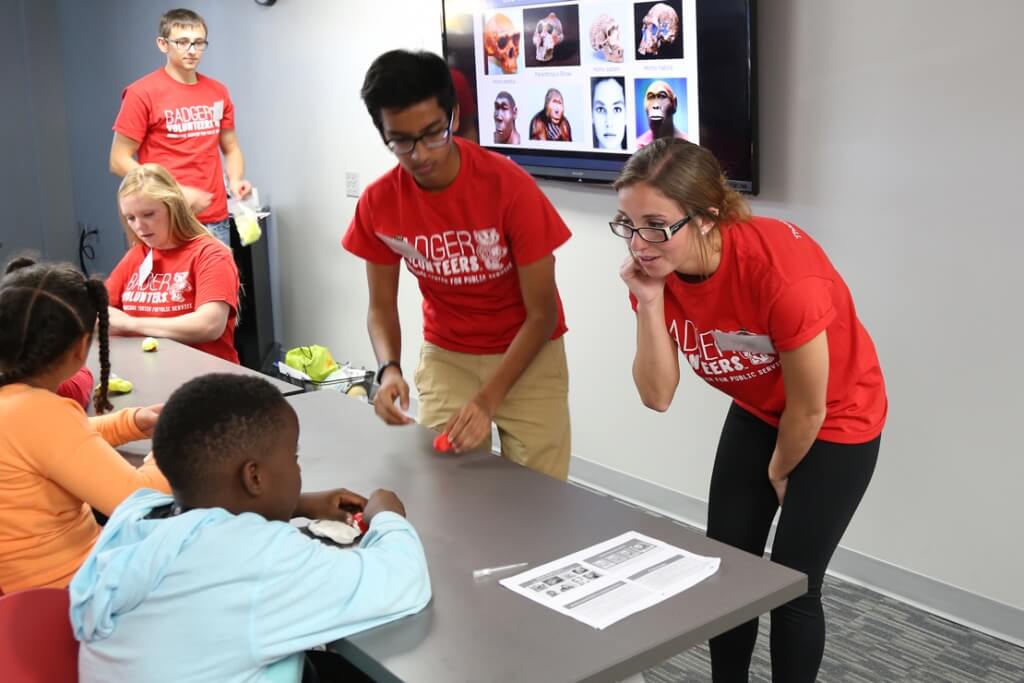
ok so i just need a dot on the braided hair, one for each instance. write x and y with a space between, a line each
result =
44 309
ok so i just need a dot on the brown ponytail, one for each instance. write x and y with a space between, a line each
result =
689 175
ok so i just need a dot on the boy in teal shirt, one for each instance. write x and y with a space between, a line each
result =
213 584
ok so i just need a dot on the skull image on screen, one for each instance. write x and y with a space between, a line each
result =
604 37
660 28
547 36
501 41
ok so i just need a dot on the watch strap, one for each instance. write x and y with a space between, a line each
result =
384 366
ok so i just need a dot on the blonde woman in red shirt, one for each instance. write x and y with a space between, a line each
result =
756 308
176 280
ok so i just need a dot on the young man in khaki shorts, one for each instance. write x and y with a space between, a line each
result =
479 236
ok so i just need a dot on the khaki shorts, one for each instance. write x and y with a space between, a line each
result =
533 420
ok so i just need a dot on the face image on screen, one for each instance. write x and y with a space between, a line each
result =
571 89
506 115
608 112
661 109
551 123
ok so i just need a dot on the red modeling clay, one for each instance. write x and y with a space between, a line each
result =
442 444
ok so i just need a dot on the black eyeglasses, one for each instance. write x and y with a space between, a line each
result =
432 140
184 44
648 233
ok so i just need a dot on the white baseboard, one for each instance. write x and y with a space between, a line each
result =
997 619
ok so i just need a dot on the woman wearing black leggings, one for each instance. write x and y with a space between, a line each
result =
756 308
822 493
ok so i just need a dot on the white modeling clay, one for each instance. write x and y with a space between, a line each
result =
339 532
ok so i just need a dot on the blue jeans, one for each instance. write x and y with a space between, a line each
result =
221 230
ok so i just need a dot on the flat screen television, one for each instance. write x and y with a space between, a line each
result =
569 90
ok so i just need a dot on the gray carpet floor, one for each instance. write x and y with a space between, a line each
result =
875 639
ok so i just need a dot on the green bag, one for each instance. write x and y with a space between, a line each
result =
316 361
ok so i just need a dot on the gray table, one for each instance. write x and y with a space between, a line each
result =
478 510
156 375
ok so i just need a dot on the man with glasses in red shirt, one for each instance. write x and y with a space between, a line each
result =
479 236
183 120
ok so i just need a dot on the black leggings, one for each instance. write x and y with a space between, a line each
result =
822 494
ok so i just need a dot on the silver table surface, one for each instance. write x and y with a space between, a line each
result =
478 510
157 374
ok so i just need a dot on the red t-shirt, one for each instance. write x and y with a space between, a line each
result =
178 126
775 290
471 237
78 387
465 96
182 279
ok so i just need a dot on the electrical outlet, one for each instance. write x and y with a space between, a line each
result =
352 185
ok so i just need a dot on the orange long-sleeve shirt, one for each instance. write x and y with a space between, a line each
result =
54 463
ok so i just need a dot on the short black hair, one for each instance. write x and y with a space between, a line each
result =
400 79
211 419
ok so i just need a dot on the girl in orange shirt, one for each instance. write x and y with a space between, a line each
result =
55 462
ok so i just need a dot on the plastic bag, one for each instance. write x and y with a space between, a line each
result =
316 361
247 224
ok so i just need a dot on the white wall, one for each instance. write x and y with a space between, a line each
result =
889 132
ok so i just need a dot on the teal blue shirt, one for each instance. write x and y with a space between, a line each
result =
212 596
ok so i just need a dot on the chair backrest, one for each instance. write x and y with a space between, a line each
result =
36 642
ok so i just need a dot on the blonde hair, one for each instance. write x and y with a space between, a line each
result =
152 181
689 175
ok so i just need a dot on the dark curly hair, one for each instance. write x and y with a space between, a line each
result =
213 418
44 309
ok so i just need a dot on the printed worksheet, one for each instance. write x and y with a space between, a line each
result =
607 582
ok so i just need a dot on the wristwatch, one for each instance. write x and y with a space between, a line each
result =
384 366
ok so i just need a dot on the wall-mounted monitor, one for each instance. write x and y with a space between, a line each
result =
570 89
